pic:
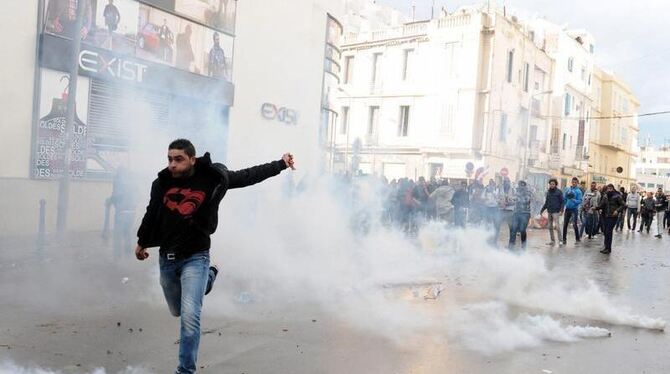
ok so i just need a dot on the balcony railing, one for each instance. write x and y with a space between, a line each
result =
411 29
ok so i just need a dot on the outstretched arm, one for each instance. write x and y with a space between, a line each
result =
259 173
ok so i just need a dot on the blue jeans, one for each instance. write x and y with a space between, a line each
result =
184 281
591 224
519 224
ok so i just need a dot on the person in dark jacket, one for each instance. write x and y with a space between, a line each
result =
461 203
647 211
661 207
611 204
622 215
522 200
553 204
181 215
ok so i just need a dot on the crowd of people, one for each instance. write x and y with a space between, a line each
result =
589 211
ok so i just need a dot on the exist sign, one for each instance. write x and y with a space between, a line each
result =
285 115
115 67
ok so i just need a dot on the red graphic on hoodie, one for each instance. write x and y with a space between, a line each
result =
183 200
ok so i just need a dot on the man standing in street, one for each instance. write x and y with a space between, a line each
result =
647 211
622 213
589 207
461 203
661 207
611 204
553 204
181 216
573 199
522 200
632 207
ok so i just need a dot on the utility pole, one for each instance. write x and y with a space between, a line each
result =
64 182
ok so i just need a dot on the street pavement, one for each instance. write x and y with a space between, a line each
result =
72 307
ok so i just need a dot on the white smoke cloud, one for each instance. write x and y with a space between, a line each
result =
9 367
286 254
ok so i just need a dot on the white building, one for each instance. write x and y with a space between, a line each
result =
572 97
653 168
429 98
286 63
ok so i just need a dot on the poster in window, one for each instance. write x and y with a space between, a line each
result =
219 14
217 55
60 18
50 134
115 25
189 47
156 35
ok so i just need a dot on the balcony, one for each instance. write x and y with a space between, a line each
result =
409 30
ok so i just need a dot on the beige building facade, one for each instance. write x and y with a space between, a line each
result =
613 137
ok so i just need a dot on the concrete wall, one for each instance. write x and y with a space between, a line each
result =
279 59
17 76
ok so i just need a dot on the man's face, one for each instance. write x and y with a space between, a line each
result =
650 195
610 189
593 187
574 183
216 39
552 185
179 163
659 191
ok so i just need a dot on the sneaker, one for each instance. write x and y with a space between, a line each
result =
551 243
213 272
659 236
606 251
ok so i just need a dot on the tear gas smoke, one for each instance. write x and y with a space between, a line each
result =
9 367
326 247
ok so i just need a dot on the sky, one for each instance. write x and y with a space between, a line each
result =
631 39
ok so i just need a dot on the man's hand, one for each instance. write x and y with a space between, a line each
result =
288 159
141 253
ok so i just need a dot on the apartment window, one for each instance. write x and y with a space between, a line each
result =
348 69
403 122
571 62
583 74
376 67
510 65
565 138
526 76
591 48
407 63
373 119
345 120
568 104
502 136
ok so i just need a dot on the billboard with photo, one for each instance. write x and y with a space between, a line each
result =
115 25
189 46
132 28
60 18
217 55
219 14
156 35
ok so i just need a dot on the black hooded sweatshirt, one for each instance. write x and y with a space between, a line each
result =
183 212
